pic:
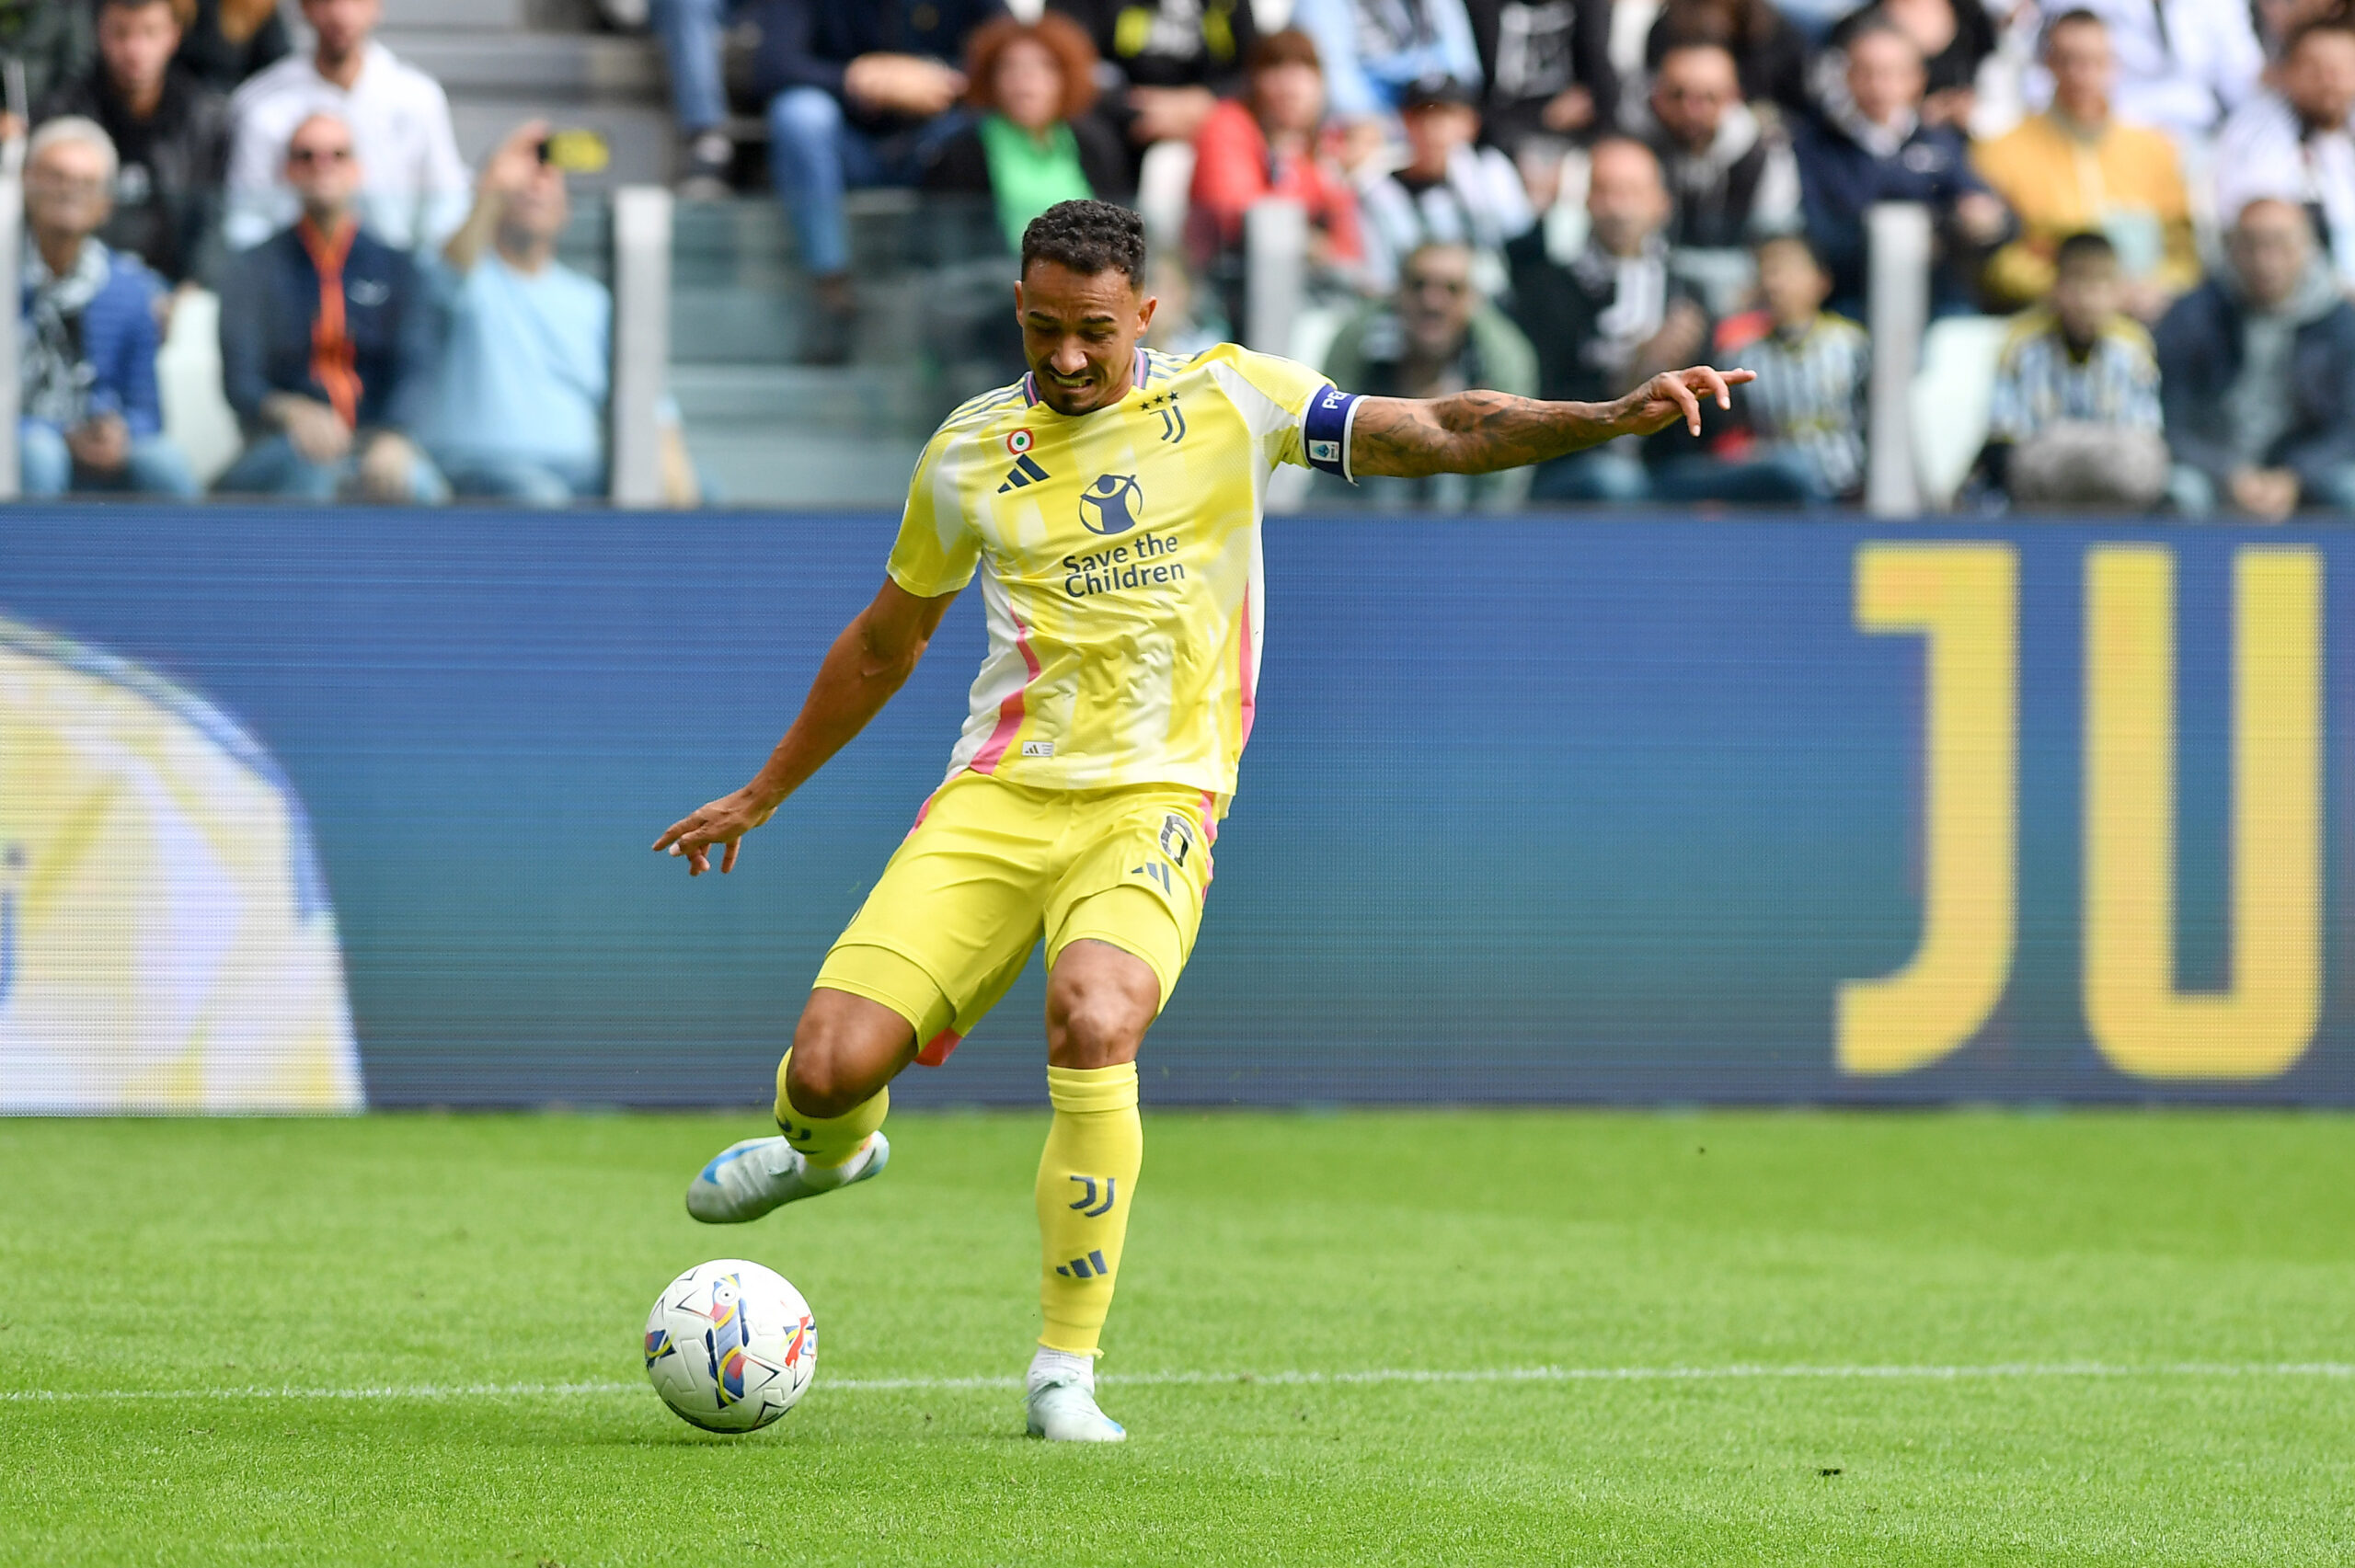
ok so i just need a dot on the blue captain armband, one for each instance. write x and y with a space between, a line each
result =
1325 431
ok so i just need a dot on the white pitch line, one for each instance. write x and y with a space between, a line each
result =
1995 1372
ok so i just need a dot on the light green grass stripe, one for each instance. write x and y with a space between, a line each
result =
2024 1370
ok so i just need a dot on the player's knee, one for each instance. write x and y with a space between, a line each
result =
1096 1024
825 1077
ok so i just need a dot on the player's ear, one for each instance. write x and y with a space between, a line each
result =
1017 296
1144 312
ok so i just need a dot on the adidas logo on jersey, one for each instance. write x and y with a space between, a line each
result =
1026 471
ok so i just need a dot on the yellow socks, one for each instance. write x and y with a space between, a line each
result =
828 1142
1086 1179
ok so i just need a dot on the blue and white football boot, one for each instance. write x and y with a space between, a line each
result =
746 1180
1062 1410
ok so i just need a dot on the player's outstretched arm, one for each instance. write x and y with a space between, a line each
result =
870 661
1481 432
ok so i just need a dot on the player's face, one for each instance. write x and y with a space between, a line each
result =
1079 333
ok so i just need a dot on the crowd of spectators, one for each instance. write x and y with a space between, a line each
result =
1550 197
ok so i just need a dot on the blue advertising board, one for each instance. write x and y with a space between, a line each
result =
1617 808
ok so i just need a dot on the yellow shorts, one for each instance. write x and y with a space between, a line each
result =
991 867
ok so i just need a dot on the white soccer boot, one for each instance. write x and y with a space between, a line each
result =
1062 1410
746 1180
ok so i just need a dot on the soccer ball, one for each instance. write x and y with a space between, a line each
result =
731 1346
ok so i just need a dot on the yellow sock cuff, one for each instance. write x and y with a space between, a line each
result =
1093 1088
828 1140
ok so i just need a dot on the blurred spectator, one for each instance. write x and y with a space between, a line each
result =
1954 36
2296 144
1733 179
517 409
859 93
91 418
229 40
1374 50
1806 411
1451 190
2075 167
2074 421
53 41
1874 148
1768 51
171 140
1547 64
1608 318
1437 338
1165 62
2256 374
691 33
399 120
1269 144
327 342
2182 64
1034 141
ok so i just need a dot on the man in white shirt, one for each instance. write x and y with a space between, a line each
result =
417 191
2182 64
2297 144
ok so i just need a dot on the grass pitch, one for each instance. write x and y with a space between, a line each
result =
1729 1338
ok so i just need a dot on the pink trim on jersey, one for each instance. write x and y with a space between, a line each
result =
1243 671
1208 821
936 1050
1009 712
921 812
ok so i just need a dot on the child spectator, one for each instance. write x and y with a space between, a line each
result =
2075 167
91 418
2074 421
1806 411
1874 148
2256 374
399 119
328 341
1035 143
1733 178
1438 336
1547 64
1451 190
2297 144
229 40
519 407
1165 63
170 135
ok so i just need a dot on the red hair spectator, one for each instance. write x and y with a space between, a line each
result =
1036 142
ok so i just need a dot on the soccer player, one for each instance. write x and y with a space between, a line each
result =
1111 501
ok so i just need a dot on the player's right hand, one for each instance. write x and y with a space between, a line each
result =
724 821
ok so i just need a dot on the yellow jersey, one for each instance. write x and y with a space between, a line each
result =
1119 553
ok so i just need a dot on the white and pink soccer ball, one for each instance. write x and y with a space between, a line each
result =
731 1346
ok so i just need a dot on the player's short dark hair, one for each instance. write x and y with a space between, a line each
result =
1088 238
2086 245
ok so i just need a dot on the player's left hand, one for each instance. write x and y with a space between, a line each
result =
1676 394
724 821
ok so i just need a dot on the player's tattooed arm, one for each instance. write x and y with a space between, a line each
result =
1483 432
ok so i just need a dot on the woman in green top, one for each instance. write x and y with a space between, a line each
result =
1034 141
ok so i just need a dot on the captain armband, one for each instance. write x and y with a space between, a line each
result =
1325 431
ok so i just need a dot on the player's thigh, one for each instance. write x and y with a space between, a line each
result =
1138 887
956 912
